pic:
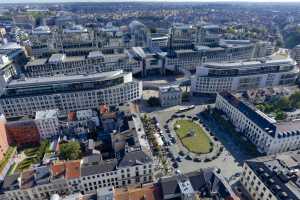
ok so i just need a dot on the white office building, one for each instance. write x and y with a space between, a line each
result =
68 93
239 76
47 123
268 135
95 61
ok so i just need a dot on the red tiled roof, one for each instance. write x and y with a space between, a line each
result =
67 169
72 169
149 192
58 169
71 116
103 109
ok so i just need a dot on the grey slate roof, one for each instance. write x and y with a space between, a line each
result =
42 175
259 120
134 158
11 182
98 167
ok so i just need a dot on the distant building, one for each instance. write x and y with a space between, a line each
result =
240 76
263 49
94 62
170 95
24 21
296 53
47 123
273 177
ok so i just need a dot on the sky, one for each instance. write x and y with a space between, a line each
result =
59 1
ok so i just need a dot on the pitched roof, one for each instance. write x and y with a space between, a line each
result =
58 170
102 166
250 113
150 192
72 169
134 158
68 169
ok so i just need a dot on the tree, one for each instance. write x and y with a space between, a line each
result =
42 149
295 100
280 115
284 103
153 101
185 96
70 150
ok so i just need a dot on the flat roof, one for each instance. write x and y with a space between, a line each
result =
63 78
250 63
288 127
46 114
280 173
169 88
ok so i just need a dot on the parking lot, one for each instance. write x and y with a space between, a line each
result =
181 158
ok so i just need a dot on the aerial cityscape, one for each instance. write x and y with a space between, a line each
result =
149 100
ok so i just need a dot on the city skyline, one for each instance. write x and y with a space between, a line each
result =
200 1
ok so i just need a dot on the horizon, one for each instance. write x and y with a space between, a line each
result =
157 1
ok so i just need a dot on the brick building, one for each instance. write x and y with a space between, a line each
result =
4 140
23 132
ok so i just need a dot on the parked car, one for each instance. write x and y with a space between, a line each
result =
188 157
181 153
178 159
197 159
175 165
173 140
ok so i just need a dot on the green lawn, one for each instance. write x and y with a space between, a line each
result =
31 151
198 142
26 163
12 169
10 152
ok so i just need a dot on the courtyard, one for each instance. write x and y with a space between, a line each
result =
192 136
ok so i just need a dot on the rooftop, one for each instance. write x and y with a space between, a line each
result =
199 181
46 114
56 58
170 88
250 64
149 192
280 173
269 125
63 78
263 122
134 158
98 167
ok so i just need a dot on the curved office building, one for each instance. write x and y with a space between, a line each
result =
68 93
211 78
